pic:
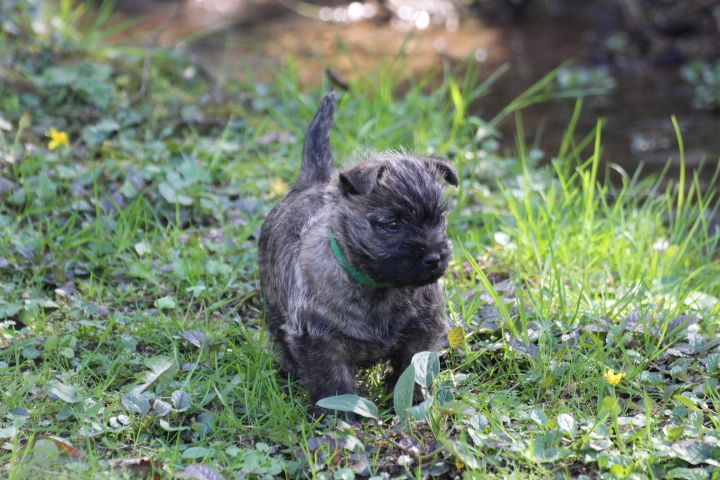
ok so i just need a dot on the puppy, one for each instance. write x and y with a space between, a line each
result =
350 262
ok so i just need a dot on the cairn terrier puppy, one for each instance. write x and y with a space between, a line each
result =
350 263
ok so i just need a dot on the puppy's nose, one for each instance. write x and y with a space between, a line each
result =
431 260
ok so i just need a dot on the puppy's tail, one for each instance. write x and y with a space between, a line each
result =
317 155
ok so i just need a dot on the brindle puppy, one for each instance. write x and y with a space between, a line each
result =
350 263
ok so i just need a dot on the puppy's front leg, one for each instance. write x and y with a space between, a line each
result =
415 340
323 366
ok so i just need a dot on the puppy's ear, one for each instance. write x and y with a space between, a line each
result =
361 179
443 166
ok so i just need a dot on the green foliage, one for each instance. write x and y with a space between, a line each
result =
595 78
131 335
403 392
705 79
350 403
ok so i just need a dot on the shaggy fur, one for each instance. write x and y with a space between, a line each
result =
388 215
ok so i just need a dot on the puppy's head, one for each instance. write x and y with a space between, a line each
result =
393 218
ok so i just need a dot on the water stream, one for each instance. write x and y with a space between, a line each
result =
252 38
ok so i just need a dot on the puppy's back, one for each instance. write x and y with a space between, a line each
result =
281 239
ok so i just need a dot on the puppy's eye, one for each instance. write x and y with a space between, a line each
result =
391 225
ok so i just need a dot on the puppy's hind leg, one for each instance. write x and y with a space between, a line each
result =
274 322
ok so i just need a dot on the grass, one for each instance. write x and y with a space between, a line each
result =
131 334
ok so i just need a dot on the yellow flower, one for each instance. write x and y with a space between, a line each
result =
57 139
456 337
613 378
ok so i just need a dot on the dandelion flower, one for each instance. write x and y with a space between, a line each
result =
57 139
456 337
613 378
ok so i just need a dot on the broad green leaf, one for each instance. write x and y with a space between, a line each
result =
566 424
165 425
696 452
127 342
160 368
457 407
99 132
283 435
172 196
8 432
181 400
166 303
19 413
350 403
142 248
161 408
92 430
197 452
537 416
9 309
427 367
685 401
204 423
196 290
344 474
59 76
136 402
462 451
687 474
478 422
621 471
66 393
546 447
712 363
403 394
420 411
30 353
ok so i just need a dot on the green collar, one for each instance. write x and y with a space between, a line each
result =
354 273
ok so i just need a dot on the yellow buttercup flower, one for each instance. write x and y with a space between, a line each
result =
57 139
456 337
613 378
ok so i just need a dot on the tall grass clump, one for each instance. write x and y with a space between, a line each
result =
583 276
